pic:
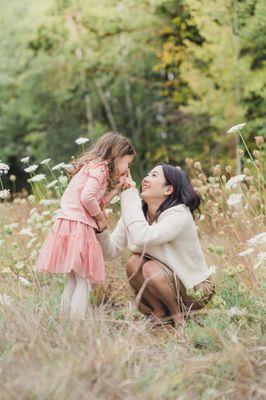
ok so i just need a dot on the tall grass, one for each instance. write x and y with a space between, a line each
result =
116 353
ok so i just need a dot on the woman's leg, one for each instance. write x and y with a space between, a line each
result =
160 288
79 299
136 280
65 304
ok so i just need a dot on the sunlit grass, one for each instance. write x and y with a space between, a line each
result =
116 353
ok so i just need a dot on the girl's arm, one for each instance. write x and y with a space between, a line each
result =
143 234
88 195
113 244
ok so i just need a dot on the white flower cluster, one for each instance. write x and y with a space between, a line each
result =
37 178
31 168
237 128
234 199
232 183
258 239
4 168
81 140
4 194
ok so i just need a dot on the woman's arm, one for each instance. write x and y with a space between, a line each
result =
113 244
143 234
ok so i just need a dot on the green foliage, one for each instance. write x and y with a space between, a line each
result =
172 75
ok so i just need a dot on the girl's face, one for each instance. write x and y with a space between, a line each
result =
122 165
154 187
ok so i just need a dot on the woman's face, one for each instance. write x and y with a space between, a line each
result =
154 187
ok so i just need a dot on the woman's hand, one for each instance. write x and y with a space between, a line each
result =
129 183
120 183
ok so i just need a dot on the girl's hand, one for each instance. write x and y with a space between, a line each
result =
102 221
102 225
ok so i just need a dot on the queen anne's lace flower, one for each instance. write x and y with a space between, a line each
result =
31 168
236 128
37 178
234 181
81 140
4 168
234 199
4 194
46 161
25 159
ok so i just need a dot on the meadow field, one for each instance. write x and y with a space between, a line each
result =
116 353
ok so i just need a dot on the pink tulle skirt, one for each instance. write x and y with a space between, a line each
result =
72 245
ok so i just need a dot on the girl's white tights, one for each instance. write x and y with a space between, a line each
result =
75 297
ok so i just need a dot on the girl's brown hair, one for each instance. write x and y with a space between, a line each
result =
108 148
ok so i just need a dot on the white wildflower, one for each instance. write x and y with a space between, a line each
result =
4 168
245 253
4 194
37 178
2 242
46 161
5 299
31 168
20 264
262 256
33 254
52 184
202 217
11 226
81 140
260 238
24 281
31 199
234 311
26 232
212 269
45 213
234 181
234 199
25 159
116 199
58 166
63 180
48 202
236 128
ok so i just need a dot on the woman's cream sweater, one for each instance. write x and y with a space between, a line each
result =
172 239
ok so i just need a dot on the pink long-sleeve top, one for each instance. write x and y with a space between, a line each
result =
84 194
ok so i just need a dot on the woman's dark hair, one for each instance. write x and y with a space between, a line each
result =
183 192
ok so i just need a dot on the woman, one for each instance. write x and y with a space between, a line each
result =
167 259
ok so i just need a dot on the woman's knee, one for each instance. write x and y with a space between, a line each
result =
133 264
151 271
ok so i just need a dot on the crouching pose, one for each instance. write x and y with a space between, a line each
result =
167 269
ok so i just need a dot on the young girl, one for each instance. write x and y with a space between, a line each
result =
72 247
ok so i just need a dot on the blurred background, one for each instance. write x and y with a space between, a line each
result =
172 75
